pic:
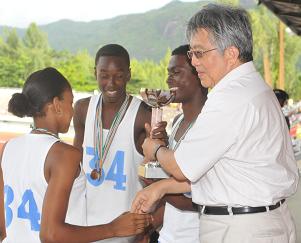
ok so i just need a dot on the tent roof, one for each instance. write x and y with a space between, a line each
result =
289 11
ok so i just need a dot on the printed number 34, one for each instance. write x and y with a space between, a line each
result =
115 172
32 213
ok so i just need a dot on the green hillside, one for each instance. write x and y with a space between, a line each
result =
147 35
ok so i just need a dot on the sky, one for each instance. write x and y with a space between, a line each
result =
20 13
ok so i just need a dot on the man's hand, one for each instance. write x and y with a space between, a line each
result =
146 199
149 147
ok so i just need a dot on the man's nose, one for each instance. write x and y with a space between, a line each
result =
194 61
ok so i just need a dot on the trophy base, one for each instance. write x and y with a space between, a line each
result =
152 170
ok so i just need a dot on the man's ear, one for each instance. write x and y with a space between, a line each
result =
57 106
232 54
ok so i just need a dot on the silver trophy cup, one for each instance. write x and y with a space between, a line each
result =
156 98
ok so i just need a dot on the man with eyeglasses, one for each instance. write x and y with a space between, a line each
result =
237 159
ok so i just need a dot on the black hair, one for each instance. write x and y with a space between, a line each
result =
281 95
113 50
39 89
182 50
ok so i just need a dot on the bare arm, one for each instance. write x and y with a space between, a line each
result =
164 155
79 119
60 170
143 116
180 201
2 213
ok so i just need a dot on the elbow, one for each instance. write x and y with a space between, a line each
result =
50 235
2 236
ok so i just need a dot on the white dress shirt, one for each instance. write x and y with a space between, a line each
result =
239 152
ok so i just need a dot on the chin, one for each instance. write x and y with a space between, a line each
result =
205 84
64 129
111 98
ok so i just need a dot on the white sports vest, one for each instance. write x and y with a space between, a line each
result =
113 194
179 226
25 186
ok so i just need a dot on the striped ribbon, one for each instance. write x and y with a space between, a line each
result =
102 148
174 131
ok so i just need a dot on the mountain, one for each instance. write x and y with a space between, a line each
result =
146 35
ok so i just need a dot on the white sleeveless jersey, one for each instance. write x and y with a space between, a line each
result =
113 194
25 186
179 226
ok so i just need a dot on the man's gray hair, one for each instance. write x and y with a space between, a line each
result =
227 26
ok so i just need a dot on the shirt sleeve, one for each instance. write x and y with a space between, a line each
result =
206 142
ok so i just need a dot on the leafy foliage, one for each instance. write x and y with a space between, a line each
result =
146 36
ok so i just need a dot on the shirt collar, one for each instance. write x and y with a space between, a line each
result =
233 75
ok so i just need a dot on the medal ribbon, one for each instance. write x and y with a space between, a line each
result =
174 131
102 148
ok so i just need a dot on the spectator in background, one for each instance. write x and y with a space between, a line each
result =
283 97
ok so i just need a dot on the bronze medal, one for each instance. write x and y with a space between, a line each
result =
95 175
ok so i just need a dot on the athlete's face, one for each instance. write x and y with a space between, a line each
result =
112 74
66 105
181 76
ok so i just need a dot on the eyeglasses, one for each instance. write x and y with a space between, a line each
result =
198 54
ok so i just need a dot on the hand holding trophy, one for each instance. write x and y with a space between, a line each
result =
156 98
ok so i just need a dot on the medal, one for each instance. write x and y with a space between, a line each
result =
95 174
101 148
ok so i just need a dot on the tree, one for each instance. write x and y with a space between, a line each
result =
265 41
37 49
78 69
149 74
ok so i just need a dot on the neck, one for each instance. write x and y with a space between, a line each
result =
44 131
46 125
192 108
106 104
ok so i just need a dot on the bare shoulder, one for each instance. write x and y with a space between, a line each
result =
144 112
1 151
143 115
81 107
83 102
61 151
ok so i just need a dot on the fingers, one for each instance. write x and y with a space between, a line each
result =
143 221
145 160
136 204
147 129
159 131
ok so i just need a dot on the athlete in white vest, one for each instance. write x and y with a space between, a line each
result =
41 177
181 220
109 129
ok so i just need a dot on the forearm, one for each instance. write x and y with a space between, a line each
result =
180 201
173 186
75 234
158 215
168 162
